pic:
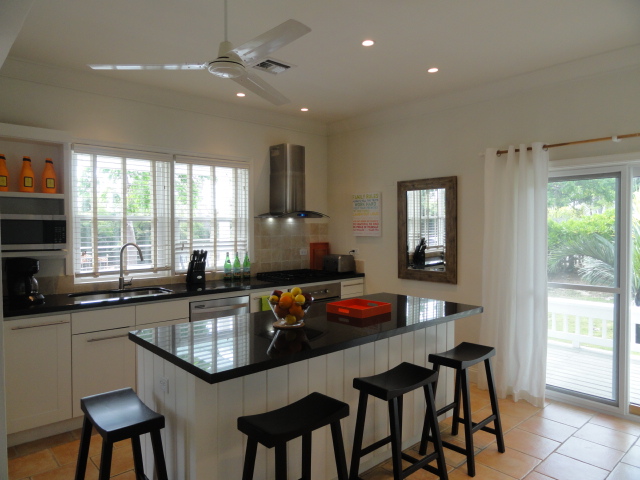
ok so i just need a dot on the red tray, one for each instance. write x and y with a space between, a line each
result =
358 308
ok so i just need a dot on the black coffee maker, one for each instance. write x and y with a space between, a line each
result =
22 286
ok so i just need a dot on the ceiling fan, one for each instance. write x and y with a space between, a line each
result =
234 63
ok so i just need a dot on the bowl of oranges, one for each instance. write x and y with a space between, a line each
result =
289 307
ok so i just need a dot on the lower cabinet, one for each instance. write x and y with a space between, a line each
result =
102 361
37 355
352 288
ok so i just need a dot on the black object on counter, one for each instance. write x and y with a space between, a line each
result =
196 269
22 285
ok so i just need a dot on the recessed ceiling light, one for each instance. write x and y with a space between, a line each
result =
368 43
240 94
304 109
433 70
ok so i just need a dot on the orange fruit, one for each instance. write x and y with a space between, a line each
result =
285 302
296 311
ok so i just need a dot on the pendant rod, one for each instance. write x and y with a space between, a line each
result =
615 138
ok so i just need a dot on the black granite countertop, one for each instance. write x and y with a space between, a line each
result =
230 347
63 303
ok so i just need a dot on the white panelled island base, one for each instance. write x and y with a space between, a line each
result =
203 375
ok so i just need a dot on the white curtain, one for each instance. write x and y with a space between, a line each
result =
514 290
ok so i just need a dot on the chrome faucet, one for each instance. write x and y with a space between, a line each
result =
121 281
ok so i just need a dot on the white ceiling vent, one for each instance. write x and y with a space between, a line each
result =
273 66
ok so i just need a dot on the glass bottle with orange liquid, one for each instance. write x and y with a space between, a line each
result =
4 174
26 176
49 179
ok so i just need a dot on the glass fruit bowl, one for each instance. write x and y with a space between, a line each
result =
288 312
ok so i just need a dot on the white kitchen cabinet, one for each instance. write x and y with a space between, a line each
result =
354 287
155 312
37 371
104 358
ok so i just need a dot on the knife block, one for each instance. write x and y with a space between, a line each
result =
196 273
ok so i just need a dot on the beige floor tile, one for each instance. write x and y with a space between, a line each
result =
68 452
530 443
606 436
624 472
67 472
591 453
561 467
548 428
377 473
31 464
42 444
616 423
482 473
511 462
563 413
121 461
130 475
633 456
536 476
521 409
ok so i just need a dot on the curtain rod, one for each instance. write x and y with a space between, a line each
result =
615 138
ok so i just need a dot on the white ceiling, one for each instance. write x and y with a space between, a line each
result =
473 42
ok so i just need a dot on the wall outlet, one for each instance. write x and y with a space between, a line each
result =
354 251
164 384
304 251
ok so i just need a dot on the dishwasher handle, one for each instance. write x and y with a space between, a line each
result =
223 308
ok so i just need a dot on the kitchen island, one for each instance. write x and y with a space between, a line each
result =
203 375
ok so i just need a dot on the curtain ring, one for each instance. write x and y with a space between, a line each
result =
616 139
545 148
498 154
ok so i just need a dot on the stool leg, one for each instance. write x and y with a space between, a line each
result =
468 435
427 421
433 424
281 461
137 456
359 434
494 405
158 455
396 440
456 402
249 459
306 456
338 450
105 460
83 451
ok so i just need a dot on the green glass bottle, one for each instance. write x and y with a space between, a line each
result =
237 268
246 266
228 271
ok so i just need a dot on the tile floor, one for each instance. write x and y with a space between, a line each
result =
556 442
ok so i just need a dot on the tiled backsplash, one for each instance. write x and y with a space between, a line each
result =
277 243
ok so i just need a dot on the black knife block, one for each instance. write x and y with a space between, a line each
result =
196 273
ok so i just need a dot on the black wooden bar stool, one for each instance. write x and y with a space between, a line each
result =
299 419
461 358
119 415
390 386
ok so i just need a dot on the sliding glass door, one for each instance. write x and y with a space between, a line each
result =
584 291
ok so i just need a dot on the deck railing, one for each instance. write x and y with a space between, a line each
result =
584 322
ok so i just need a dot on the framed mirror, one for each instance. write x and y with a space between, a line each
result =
427 235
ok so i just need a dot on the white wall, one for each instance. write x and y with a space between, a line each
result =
104 110
373 155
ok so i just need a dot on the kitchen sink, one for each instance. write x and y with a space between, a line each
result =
118 294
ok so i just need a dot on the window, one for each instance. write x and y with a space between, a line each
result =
168 207
426 217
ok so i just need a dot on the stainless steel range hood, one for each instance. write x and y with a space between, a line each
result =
286 184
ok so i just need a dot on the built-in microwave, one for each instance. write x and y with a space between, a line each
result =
32 232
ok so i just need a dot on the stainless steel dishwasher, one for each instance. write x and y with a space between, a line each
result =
219 307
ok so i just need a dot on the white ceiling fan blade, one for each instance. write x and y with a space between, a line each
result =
171 66
260 87
255 50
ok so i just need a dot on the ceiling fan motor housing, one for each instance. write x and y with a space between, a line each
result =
226 67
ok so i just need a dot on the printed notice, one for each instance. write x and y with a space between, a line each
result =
366 214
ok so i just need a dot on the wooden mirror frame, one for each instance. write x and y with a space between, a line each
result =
450 275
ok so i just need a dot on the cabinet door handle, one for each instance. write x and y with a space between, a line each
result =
107 338
39 325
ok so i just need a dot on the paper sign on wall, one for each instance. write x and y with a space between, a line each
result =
366 214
